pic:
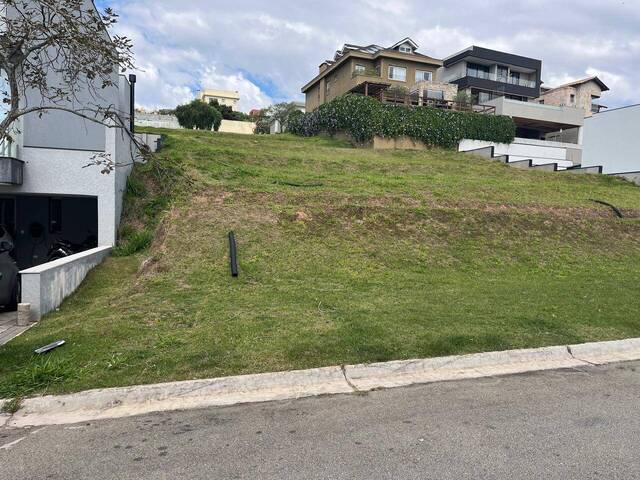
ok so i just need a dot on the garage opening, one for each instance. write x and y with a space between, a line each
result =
45 228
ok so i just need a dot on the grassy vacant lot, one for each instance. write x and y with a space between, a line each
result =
346 255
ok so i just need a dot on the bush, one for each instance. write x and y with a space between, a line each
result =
132 242
365 117
199 115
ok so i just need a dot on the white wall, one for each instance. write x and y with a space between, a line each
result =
157 121
612 139
540 151
45 287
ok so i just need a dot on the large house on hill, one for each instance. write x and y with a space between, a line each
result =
549 122
372 69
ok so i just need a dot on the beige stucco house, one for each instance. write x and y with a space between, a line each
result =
372 70
583 94
224 97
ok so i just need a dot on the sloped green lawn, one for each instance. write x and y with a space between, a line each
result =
346 255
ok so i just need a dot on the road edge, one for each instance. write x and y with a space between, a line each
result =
347 379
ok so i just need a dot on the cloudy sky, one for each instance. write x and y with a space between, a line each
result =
268 49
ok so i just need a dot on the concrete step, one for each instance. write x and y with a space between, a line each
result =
580 169
547 167
487 152
523 164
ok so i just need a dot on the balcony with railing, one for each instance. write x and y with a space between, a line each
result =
11 168
509 80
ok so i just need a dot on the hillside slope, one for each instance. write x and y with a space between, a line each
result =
346 255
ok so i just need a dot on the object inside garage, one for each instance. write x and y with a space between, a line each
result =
38 222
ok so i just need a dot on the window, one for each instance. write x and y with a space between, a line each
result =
503 74
359 69
478 71
515 78
423 76
405 49
572 99
397 73
435 94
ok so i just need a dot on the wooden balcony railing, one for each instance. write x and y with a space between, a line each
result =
414 100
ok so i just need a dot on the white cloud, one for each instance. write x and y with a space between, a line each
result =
251 96
268 50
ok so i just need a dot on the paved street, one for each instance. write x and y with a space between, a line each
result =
582 423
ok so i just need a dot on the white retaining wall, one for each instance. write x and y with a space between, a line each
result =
612 139
234 126
539 151
46 286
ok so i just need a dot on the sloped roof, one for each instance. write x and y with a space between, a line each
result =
582 81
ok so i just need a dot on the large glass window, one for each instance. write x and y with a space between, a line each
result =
503 74
478 71
359 69
397 73
435 94
423 76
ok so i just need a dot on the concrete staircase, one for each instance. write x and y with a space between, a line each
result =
489 152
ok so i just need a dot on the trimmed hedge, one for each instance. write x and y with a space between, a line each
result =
365 117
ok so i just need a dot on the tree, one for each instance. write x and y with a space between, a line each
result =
54 51
279 111
199 115
228 113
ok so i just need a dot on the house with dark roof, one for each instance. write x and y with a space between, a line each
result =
372 69
583 94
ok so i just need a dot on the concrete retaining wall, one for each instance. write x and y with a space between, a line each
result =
400 143
539 151
45 287
233 126
151 140
612 139
157 121
633 177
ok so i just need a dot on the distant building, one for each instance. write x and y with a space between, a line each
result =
275 126
224 97
584 94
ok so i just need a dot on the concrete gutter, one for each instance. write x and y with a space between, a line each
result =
128 401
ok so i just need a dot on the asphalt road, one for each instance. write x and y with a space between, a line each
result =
582 423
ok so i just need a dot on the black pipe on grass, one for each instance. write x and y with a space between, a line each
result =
233 254
615 209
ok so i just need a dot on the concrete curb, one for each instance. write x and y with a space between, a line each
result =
128 401
402 373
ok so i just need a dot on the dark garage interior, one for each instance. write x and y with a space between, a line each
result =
37 222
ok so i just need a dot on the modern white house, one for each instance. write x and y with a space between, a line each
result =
544 125
49 191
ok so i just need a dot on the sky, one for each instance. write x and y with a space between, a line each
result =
268 49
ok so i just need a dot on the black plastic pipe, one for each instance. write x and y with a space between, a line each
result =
132 106
615 209
233 254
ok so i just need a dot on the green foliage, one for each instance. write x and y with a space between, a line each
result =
132 242
228 113
280 111
364 117
11 406
37 376
199 115
464 99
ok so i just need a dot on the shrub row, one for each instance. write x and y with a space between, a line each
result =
365 117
